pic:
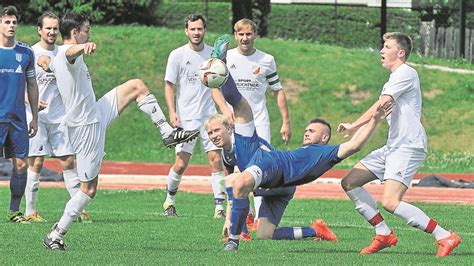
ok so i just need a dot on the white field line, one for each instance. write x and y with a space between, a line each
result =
443 68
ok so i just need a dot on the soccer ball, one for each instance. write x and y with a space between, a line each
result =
213 73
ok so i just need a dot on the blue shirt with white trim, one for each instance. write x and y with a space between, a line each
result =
16 65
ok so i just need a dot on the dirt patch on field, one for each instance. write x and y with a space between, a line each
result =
431 94
355 95
293 88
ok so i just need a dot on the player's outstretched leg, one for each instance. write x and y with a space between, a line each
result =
136 90
220 47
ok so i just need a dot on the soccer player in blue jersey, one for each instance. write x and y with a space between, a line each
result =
16 72
274 200
264 167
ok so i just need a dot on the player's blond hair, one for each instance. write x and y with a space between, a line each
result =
217 117
404 41
244 23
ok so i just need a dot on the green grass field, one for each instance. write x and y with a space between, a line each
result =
335 83
128 228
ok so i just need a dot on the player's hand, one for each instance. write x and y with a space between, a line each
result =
230 116
226 229
43 62
89 48
174 119
346 129
33 127
380 113
42 105
285 133
387 107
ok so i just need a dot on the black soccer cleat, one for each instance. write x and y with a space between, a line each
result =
170 211
180 135
231 246
53 244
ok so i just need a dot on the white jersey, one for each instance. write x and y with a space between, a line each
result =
48 90
405 128
252 75
75 86
193 99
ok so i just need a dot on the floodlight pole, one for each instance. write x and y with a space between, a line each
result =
462 28
383 20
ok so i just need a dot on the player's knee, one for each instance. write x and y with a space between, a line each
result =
390 204
21 166
36 166
346 184
139 87
67 162
242 187
179 167
263 235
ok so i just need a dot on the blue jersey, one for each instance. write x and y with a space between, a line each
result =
246 147
16 65
294 167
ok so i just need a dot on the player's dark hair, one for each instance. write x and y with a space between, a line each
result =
195 17
323 122
39 23
72 21
9 11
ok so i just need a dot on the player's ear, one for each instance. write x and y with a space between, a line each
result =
401 53
325 138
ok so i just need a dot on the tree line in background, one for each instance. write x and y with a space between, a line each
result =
349 26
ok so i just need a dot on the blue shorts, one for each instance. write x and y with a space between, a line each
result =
247 147
274 203
14 139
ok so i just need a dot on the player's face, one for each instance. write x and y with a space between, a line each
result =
49 31
218 133
315 133
245 38
8 26
83 35
195 32
391 55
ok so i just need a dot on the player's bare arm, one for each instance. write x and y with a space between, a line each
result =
285 131
222 105
169 97
348 129
79 49
362 135
32 88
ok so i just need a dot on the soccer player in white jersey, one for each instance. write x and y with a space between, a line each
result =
87 120
194 104
254 71
397 162
50 139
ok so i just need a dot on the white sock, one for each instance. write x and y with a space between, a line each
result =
73 209
366 206
173 183
31 191
149 105
218 187
71 181
418 219
257 202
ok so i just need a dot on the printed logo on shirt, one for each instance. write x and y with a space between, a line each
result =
233 66
18 57
188 63
256 71
153 110
19 69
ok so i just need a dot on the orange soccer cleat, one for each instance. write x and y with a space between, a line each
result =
323 231
447 244
249 221
380 242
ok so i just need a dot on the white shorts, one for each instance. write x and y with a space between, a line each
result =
89 140
188 147
50 140
398 164
263 131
